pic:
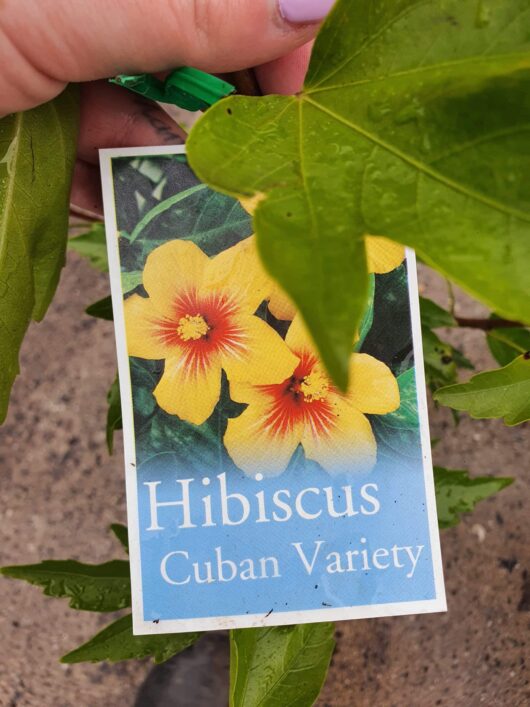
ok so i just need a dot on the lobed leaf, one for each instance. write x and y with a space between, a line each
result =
506 344
116 642
102 309
433 316
104 587
122 534
441 360
503 392
283 665
37 153
93 246
412 124
457 493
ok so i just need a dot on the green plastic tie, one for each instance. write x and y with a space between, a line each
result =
187 88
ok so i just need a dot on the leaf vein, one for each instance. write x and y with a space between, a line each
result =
370 41
422 167
491 58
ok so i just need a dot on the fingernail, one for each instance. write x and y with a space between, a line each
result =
305 10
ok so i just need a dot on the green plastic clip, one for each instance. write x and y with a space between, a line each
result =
187 88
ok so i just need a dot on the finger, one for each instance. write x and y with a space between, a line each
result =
86 190
112 116
44 45
286 74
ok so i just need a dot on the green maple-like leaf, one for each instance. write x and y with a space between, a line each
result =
503 392
37 154
93 246
122 534
102 309
457 493
283 665
116 642
441 360
508 343
413 123
105 587
433 316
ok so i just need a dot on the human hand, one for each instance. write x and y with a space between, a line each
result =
45 44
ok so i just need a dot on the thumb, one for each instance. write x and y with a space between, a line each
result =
45 44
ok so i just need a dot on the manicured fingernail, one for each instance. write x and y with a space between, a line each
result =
305 10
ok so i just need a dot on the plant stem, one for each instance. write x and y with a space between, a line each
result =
452 298
245 82
78 212
487 324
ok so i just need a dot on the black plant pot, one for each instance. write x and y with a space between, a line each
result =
198 677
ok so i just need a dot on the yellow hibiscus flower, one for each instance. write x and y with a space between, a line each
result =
306 409
199 317
382 255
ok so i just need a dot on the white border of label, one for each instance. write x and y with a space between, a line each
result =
142 627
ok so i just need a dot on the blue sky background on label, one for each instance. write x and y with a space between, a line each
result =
402 520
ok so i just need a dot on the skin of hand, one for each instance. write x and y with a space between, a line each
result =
45 44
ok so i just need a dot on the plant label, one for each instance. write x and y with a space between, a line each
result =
258 492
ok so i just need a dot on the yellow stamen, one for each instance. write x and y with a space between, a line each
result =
315 386
192 328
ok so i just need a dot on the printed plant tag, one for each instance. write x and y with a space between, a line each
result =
257 493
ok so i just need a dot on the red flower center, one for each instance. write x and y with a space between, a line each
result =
203 325
301 398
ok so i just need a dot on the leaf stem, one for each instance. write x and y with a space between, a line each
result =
451 295
84 214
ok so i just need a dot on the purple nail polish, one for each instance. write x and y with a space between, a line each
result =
305 10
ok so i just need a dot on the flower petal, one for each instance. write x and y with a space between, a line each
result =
261 357
383 255
347 445
250 203
189 390
171 269
373 386
257 448
238 272
280 305
244 392
144 329
298 338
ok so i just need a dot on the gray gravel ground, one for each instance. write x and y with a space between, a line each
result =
60 491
